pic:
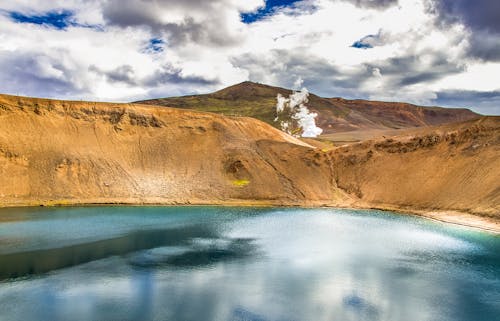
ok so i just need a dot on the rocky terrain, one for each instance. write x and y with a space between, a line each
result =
66 152
335 115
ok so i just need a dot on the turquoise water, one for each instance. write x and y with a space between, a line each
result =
212 263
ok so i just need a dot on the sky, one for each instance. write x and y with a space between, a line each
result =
430 52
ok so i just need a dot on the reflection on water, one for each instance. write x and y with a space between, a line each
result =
209 263
45 260
198 255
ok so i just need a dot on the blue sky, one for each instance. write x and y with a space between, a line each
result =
267 10
431 52
55 19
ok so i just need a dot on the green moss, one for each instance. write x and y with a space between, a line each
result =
241 182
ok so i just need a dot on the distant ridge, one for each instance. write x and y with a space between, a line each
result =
334 114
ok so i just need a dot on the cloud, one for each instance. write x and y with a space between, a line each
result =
376 72
485 46
298 83
425 67
483 102
124 50
481 18
95 64
38 73
169 74
283 68
213 23
393 79
374 4
124 74
477 14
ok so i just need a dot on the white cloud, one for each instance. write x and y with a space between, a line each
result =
478 76
376 73
207 46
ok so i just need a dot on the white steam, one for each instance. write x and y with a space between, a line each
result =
280 105
298 83
307 122
294 117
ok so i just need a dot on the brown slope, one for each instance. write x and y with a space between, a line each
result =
449 167
61 152
335 115
78 152
397 115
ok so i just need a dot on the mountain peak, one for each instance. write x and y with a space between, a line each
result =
248 90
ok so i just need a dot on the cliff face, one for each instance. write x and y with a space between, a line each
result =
60 152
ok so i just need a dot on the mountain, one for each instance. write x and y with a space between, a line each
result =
70 152
335 115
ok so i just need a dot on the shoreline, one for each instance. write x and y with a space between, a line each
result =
459 218
463 219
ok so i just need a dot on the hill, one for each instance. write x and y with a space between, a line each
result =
335 115
454 166
66 152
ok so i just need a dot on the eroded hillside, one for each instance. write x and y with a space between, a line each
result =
452 167
61 152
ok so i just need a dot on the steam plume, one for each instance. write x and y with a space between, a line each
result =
294 117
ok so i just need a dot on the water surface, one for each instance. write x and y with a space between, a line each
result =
211 263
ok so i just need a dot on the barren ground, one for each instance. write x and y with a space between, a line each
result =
66 153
